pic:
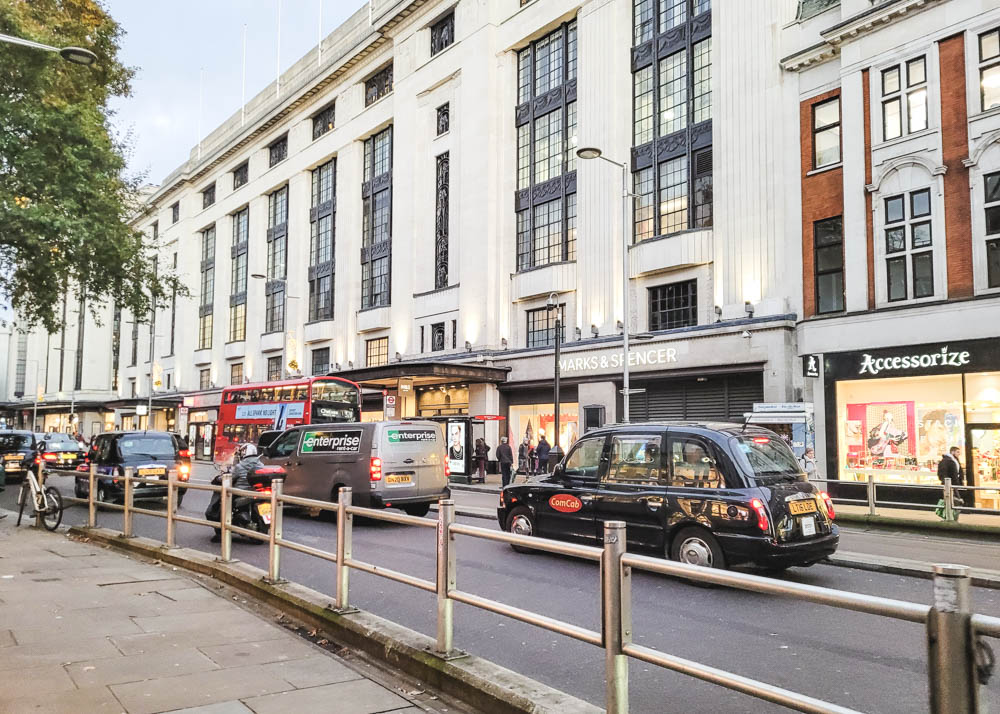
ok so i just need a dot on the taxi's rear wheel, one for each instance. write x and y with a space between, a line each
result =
521 522
697 546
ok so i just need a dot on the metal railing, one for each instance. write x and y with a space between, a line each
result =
957 656
952 496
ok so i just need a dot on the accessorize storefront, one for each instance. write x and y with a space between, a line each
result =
891 415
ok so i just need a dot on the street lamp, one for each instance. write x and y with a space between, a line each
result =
75 55
556 452
590 152
284 322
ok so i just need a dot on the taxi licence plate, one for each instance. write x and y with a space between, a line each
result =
799 508
399 479
151 472
264 509
12 457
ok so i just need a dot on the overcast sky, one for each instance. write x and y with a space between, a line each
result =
170 42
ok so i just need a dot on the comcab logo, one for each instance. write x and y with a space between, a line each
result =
331 442
565 503
406 437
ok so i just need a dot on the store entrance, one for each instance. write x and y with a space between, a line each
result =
984 462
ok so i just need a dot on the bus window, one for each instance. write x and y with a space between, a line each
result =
300 393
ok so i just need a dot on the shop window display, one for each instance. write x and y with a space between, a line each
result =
532 420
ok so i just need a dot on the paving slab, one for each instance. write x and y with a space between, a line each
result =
23 682
312 671
56 652
138 668
6 638
183 622
233 707
92 700
264 652
361 696
148 642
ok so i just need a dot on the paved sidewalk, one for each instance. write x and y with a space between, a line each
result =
84 629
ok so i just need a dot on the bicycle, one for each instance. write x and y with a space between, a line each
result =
48 501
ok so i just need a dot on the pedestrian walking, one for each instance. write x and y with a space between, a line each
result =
542 453
524 457
505 457
951 467
808 463
481 453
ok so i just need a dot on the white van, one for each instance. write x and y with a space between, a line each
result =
400 464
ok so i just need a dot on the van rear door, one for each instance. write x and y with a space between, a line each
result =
412 460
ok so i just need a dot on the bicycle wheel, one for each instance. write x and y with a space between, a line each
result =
52 515
22 498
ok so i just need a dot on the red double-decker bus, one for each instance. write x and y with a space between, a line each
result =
249 409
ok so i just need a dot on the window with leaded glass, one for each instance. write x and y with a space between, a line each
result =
828 247
208 196
909 253
238 322
273 369
320 361
443 119
277 151
238 275
322 217
546 128
323 121
442 208
377 352
671 116
274 311
277 260
175 212
673 305
206 303
442 33
437 337
541 330
378 85
235 374
991 183
241 174
204 379
376 220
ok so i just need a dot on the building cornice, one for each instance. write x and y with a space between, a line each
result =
862 24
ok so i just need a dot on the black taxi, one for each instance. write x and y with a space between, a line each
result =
711 494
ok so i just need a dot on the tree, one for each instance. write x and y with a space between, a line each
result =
67 207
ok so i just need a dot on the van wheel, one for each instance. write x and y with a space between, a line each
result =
521 522
418 509
697 546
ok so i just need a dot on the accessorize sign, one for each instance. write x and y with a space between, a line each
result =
591 362
952 357
332 442
942 358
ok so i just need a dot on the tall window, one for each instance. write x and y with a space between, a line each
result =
235 374
377 352
320 361
273 368
206 306
116 343
992 183
323 122
673 305
672 113
277 151
173 312
134 356
241 174
238 278
175 212
826 133
909 254
443 119
437 337
80 342
21 370
208 196
442 33
378 85
546 121
441 208
904 98
204 379
542 326
322 218
277 248
376 220
828 244
989 69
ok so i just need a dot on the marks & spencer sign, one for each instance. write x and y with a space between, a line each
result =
953 357
591 362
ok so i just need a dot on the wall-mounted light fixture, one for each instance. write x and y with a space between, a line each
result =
718 314
503 343
620 326
468 346
579 333
337 365
594 331
748 306
350 364
399 357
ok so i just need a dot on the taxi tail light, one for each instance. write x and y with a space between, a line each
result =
50 457
762 440
828 502
184 453
376 469
762 520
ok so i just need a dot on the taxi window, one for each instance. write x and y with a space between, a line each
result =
636 460
285 444
692 465
584 460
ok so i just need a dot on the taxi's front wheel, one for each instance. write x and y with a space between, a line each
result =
521 522
697 546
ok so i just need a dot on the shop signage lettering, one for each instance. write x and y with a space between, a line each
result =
944 358
269 411
337 442
661 355
565 503
404 437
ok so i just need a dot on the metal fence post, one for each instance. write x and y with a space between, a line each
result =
446 580
274 535
344 533
127 513
39 512
171 506
614 629
949 500
950 652
871 494
226 517
91 502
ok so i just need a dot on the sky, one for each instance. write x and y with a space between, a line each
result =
172 44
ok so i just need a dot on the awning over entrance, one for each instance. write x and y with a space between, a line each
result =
422 373
158 403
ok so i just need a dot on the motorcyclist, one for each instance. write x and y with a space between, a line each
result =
246 459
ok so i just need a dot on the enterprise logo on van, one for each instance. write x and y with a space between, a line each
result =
338 442
406 437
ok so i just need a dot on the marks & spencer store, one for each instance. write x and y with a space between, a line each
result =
892 413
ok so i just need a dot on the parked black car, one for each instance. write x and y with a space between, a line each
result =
706 493
151 454
60 451
18 450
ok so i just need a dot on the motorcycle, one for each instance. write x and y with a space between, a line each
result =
249 513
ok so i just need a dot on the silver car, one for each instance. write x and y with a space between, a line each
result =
400 464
